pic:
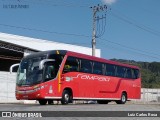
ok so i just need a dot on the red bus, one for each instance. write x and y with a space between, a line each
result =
66 76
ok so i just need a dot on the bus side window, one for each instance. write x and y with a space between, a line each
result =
58 60
97 68
135 73
49 72
110 70
71 65
86 66
120 71
128 73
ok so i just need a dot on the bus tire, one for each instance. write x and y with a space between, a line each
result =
42 102
102 101
123 99
66 97
50 102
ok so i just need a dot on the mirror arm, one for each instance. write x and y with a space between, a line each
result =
11 68
41 64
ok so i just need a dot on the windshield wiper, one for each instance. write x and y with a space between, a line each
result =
25 85
21 81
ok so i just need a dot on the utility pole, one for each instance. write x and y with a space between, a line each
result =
96 9
94 31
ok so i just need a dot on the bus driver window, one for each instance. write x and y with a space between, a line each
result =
49 72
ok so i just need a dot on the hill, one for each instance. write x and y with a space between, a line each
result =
150 72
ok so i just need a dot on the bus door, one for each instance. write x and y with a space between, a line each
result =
70 76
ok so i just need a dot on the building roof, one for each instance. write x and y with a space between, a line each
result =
43 45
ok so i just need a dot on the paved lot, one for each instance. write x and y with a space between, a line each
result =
82 107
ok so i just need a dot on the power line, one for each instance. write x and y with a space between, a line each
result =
129 51
101 26
129 47
140 24
144 8
45 31
141 27
79 35
134 49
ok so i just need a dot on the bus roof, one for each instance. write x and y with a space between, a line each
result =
46 53
79 55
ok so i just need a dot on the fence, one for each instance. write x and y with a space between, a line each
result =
8 84
149 96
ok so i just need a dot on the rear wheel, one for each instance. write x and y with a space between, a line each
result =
102 101
123 99
42 102
66 97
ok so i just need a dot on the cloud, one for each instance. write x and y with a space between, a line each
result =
109 2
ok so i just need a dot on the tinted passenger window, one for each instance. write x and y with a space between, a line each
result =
135 74
128 73
85 66
97 68
72 64
58 60
49 71
120 71
110 70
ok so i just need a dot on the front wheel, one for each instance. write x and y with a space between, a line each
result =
123 99
66 97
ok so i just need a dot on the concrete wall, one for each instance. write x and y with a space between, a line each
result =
149 95
7 87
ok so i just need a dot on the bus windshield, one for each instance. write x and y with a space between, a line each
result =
28 72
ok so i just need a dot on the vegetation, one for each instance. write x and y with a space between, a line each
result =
150 72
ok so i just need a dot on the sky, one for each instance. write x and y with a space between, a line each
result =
130 30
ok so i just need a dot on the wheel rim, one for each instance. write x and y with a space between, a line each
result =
123 98
66 97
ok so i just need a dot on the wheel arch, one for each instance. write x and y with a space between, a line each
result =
69 90
67 96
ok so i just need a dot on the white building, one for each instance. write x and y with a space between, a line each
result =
43 45
12 50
